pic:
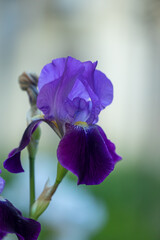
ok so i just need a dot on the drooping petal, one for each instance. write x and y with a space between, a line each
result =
2 183
12 221
84 152
111 146
13 163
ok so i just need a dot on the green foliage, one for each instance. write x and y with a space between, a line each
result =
133 201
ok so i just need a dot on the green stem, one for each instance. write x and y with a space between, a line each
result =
32 182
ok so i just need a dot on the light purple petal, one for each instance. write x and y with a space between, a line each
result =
54 94
46 98
2 183
103 88
12 221
51 72
79 90
78 109
88 81
67 79
83 151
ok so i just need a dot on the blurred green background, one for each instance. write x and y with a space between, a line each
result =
124 36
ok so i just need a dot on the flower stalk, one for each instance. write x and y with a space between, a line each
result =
32 150
28 82
32 181
43 201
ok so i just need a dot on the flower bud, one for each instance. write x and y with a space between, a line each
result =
28 82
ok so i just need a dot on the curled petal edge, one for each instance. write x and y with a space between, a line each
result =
13 162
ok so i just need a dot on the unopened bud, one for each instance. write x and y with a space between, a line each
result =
28 82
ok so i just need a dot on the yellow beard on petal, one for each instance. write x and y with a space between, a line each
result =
79 123
56 125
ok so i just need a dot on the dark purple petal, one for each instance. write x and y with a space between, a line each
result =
110 145
13 163
12 221
2 235
83 151
2 183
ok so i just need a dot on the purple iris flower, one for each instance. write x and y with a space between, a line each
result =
71 96
12 221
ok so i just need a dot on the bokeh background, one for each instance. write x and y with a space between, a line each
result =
124 36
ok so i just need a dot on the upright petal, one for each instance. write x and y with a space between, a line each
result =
12 221
51 72
66 79
103 88
88 81
46 98
84 152
54 94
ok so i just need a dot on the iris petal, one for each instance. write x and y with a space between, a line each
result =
111 146
103 88
51 72
13 163
12 221
53 95
2 235
2 183
84 152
